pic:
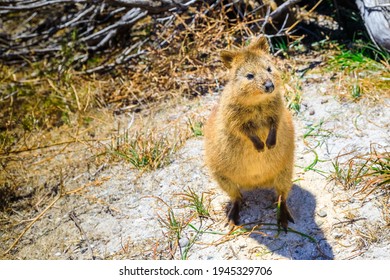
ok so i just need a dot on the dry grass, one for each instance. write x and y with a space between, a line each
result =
367 177
365 173
144 151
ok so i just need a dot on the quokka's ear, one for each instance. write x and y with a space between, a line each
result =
227 58
259 43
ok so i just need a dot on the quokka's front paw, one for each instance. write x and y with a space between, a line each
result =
270 143
259 145
260 148
271 139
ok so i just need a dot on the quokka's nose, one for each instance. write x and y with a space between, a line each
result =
269 86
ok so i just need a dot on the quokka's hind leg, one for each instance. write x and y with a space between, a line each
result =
284 215
283 186
235 196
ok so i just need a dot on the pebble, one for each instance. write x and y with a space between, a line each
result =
312 112
116 229
337 235
323 89
309 123
323 101
183 242
322 213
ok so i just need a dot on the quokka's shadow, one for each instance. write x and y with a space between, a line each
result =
306 243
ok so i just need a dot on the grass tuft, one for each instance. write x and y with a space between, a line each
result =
196 203
367 173
362 71
196 127
143 151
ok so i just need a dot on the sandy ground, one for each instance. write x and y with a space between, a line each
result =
122 213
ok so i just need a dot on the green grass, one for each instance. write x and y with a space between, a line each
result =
280 46
315 133
351 60
149 151
143 151
176 229
361 56
293 90
196 127
196 203
377 176
294 102
362 70
314 137
356 90
348 175
244 230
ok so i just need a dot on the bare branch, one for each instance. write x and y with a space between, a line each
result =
282 8
40 4
83 27
154 6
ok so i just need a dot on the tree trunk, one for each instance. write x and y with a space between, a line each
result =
376 17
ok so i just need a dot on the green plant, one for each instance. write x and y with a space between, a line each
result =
176 227
315 133
348 175
363 70
356 90
294 102
174 233
281 46
358 59
143 151
196 203
293 90
196 128
377 175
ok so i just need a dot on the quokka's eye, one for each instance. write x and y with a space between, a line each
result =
269 69
250 76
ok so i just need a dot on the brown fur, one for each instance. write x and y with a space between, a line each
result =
249 137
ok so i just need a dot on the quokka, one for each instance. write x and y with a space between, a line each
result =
249 136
